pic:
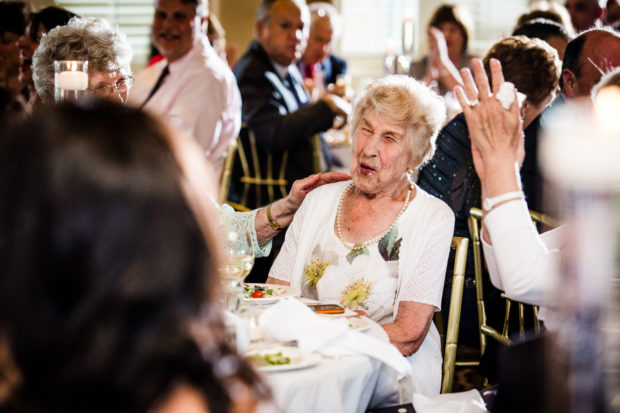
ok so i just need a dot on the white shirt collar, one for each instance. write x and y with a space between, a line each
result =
281 70
197 47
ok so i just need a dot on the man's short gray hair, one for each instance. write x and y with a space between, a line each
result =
407 103
106 49
324 10
264 9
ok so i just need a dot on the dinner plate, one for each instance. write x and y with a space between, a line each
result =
299 359
358 323
279 292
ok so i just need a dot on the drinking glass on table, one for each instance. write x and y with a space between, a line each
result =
238 262
343 86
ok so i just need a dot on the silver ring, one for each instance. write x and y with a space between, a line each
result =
474 103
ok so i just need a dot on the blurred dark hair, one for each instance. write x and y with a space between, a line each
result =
14 16
542 29
457 14
49 17
104 265
12 109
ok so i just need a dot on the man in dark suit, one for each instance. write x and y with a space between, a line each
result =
324 32
275 104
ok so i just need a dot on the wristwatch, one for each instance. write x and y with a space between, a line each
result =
489 203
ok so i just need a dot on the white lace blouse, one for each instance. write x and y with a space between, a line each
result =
408 264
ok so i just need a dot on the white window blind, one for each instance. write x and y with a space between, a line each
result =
493 20
134 18
368 24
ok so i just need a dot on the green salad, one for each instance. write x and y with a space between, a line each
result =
268 359
257 291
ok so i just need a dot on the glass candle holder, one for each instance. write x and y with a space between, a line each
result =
70 79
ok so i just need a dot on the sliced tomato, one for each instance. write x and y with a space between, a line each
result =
257 294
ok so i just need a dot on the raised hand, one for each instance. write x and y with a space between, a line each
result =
496 133
440 67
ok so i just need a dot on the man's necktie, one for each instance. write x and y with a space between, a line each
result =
157 85
309 71
290 84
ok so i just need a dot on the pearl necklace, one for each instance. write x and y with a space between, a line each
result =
362 245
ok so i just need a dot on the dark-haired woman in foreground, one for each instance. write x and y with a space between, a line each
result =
107 272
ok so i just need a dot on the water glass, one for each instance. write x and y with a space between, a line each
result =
232 293
239 257
343 85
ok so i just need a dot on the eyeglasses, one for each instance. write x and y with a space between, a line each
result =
122 86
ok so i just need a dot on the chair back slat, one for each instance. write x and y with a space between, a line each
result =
226 174
475 215
244 164
316 153
460 245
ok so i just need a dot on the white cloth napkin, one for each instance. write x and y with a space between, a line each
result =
290 319
464 402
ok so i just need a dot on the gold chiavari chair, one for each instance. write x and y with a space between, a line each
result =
238 207
252 176
475 217
226 174
316 154
252 172
450 335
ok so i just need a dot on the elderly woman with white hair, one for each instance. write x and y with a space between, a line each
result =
106 49
378 244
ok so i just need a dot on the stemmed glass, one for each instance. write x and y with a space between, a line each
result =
238 262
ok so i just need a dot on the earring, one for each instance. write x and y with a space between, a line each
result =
410 171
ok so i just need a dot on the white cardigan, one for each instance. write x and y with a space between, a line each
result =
521 262
426 227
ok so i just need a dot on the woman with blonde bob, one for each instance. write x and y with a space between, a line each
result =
378 244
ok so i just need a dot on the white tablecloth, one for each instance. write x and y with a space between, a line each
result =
334 385
337 385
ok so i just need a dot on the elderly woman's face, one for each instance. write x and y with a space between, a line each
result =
109 85
381 155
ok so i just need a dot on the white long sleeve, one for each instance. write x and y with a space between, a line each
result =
521 262
200 97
